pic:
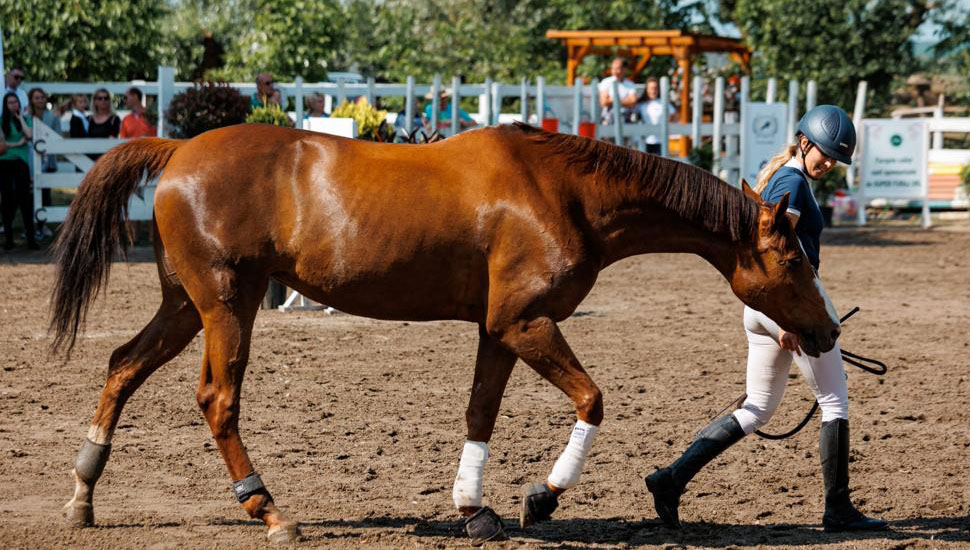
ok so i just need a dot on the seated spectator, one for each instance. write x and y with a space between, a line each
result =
103 122
13 79
136 124
264 90
14 172
79 116
315 104
465 120
400 122
628 93
650 109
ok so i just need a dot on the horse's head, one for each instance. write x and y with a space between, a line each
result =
775 277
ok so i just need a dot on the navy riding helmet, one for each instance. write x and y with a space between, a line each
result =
830 129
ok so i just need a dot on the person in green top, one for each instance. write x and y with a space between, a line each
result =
14 171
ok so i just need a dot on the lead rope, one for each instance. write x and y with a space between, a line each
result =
853 359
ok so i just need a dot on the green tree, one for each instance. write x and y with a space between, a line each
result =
284 37
84 39
197 34
835 42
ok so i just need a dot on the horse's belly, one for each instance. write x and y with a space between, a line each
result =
428 287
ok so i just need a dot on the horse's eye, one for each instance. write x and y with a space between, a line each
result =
791 262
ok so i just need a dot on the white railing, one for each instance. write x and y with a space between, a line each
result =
570 105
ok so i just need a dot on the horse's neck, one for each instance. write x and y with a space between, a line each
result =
630 229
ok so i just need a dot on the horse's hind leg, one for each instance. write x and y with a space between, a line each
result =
228 310
172 328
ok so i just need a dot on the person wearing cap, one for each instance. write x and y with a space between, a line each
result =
465 120
825 136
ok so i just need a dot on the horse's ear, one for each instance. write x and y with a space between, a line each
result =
781 210
750 192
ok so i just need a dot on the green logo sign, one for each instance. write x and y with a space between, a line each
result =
896 140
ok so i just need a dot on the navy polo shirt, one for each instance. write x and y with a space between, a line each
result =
789 179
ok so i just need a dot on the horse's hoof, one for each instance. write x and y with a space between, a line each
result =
538 504
284 534
484 526
79 514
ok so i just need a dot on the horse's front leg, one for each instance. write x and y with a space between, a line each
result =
541 345
493 366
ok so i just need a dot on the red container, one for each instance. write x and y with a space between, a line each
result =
587 129
551 124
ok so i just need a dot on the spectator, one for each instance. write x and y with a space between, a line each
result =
38 111
650 109
14 79
628 93
264 90
103 122
79 116
14 173
136 124
315 104
465 120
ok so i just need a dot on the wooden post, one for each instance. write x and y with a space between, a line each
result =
496 102
745 92
524 100
617 115
716 131
811 91
486 109
540 100
696 119
577 105
594 105
370 90
772 90
435 101
298 92
455 104
664 116
792 107
166 90
409 105
857 113
571 65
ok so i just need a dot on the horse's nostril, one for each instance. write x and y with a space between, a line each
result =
835 333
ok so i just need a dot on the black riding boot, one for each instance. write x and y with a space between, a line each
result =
840 514
667 484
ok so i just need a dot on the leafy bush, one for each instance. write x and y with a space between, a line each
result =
270 114
703 156
368 117
206 106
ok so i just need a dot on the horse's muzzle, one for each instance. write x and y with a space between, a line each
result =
816 343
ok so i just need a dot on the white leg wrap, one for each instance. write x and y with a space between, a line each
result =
468 482
565 473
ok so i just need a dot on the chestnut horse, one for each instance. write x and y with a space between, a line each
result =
506 227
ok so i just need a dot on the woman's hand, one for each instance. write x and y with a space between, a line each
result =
789 341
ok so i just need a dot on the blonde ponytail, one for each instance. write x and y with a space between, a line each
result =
773 165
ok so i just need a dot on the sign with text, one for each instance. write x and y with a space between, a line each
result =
764 136
893 159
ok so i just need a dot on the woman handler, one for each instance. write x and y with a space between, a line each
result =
825 135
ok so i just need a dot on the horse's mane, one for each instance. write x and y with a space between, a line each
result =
693 193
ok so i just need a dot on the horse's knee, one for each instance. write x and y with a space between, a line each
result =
589 406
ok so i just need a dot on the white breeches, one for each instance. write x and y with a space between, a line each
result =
768 366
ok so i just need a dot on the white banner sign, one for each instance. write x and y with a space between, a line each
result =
894 159
764 136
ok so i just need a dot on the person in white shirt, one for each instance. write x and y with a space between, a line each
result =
628 93
650 111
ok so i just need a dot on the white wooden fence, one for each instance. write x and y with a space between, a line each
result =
571 105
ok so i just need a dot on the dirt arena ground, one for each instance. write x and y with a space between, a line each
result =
356 425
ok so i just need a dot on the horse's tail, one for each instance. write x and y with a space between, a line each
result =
96 226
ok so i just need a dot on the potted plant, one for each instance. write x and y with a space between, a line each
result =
368 117
206 106
269 114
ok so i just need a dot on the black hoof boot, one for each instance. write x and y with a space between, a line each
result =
666 497
483 526
538 504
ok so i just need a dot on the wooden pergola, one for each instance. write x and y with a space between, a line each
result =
643 45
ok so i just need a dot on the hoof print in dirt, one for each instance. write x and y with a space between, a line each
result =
484 526
538 504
